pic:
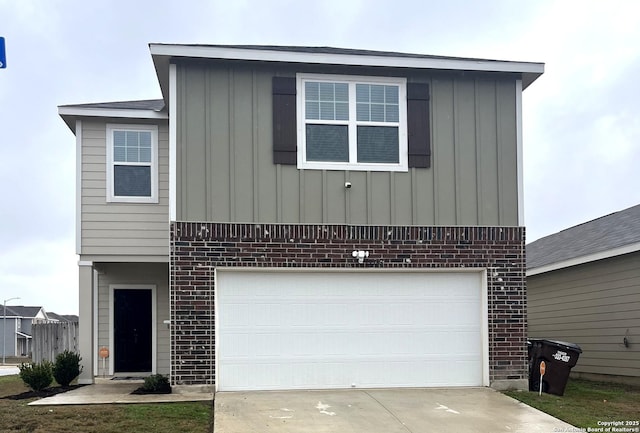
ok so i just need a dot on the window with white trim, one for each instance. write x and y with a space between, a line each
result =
352 122
132 163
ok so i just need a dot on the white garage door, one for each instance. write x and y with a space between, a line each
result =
312 330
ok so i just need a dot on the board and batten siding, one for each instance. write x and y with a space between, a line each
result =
225 169
595 305
136 273
121 229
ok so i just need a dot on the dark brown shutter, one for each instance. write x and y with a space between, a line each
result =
418 131
284 120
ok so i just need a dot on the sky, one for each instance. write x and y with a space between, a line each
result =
581 119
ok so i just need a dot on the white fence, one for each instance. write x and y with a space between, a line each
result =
52 338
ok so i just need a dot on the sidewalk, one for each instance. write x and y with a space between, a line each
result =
108 392
7 370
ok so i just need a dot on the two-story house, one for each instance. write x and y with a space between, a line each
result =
298 217
16 323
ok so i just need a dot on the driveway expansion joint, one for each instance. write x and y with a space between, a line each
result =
389 412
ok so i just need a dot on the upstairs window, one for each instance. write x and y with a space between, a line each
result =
132 163
351 123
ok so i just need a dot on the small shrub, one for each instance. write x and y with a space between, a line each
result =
37 376
156 383
67 367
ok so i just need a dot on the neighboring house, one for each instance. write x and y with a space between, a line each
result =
584 288
297 217
17 335
69 318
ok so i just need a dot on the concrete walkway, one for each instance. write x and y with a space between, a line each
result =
480 410
8 370
108 392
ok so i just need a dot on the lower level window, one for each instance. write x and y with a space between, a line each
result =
132 161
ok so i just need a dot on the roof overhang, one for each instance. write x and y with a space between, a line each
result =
71 113
626 249
163 54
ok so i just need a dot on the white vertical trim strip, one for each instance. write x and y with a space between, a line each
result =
519 153
173 153
173 140
111 333
95 323
78 187
485 328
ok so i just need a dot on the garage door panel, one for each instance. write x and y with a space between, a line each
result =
297 330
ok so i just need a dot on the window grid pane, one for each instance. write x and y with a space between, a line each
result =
327 143
326 101
132 181
378 144
131 146
377 103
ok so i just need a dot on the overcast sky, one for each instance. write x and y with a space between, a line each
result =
581 118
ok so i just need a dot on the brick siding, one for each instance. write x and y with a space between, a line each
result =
197 248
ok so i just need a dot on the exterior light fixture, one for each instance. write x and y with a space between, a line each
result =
360 255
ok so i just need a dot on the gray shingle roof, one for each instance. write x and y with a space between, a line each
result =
331 50
602 234
147 104
20 311
62 317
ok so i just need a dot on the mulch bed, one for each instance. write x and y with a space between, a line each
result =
47 392
142 391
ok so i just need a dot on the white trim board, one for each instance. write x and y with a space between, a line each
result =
78 187
631 248
398 60
173 140
519 153
112 112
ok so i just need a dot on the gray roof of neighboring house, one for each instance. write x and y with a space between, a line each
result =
606 233
20 311
63 317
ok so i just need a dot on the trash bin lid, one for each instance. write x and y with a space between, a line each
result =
561 344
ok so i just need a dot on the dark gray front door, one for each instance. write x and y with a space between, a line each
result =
132 330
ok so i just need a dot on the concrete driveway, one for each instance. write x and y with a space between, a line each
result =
481 410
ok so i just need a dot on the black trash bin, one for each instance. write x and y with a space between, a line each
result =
559 358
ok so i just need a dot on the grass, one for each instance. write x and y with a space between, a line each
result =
16 416
585 403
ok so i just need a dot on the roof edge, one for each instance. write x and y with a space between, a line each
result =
625 249
163 53
69 113
365 58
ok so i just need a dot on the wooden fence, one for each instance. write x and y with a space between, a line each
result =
52 338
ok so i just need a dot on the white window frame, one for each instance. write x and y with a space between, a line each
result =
352 80
153 129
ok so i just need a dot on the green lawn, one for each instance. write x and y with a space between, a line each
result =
16 416
585 403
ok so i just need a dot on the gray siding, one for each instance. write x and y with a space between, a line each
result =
9 335
120 229
225 171
142 273
594 305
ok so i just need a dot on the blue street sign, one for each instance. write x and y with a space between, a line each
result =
3 54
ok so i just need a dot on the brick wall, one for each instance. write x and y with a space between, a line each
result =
197 248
